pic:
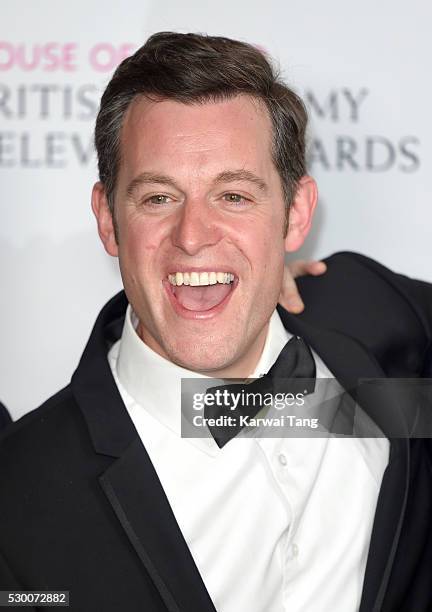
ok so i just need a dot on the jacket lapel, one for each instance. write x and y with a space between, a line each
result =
139 502
131 484
349 361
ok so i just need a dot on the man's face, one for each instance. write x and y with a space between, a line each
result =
198 199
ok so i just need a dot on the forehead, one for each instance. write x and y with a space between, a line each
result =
236 130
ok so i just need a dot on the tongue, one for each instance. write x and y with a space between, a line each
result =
201 298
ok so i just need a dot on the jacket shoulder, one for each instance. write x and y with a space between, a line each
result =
42 438
389 313
367 288
53 408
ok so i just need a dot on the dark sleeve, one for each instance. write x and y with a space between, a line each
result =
8 582
388 313
417 292
5 418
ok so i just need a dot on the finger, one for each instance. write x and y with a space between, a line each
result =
301 267
316 268
289 297
296 267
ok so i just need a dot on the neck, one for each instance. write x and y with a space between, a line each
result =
246 364
242 367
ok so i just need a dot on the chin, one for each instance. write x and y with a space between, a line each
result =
203 358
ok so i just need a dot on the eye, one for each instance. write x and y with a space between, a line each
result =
157 200
235 198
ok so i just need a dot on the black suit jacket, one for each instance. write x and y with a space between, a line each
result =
5 418
81 506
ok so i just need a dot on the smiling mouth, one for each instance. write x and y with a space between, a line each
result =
201 291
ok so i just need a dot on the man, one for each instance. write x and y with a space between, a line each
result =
203 188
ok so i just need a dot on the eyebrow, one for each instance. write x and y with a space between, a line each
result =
146 178
226 176
230 176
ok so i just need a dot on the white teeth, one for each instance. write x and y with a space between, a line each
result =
196 279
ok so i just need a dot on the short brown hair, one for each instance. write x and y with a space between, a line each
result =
196 68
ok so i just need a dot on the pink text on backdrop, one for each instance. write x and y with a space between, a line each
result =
50 56
104 57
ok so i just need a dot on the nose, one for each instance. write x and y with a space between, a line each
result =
195 228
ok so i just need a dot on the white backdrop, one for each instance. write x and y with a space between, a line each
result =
362 67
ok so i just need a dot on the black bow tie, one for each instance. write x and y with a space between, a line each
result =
295 362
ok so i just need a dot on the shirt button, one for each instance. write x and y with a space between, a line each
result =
294 550
282 459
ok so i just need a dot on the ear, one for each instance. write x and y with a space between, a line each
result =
301 213
104 218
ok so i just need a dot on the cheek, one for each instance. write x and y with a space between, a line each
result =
139 242
266 247
269 264
138 248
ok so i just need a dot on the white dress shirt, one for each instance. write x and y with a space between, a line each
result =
273 524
